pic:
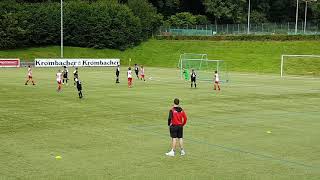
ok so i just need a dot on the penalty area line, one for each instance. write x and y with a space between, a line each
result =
146 129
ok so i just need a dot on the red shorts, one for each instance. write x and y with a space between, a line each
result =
217 82
142 75
129 79
30 77
59 82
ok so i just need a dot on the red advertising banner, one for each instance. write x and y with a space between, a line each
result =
9 62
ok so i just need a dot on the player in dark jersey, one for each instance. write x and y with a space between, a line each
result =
136 70
193 78
117 73
75 75
79 87
65 75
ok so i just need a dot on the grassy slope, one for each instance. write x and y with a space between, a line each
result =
121 133
241 55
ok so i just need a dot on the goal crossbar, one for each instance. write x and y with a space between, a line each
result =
292 55
202 60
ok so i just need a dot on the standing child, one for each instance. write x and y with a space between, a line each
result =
193 78
176 120
186 74
129 74
29 76
216 81
59 79
142 73
65 75
136 70
117 73
75 75
79 87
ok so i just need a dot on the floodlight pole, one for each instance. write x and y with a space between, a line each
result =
249 8
61 17
297 13
305 16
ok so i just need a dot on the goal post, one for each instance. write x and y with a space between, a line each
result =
188 60
205 67
300 65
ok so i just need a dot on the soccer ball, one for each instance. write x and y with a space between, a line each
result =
150 78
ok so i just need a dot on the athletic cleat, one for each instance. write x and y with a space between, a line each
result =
182 153
171 153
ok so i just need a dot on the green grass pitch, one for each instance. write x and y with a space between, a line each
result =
121 133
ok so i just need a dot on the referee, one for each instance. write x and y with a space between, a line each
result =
176 120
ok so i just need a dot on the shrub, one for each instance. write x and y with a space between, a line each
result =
101 24
244 38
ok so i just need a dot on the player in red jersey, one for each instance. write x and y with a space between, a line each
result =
59 79
216 81
176 120
29 76
142 73
129 73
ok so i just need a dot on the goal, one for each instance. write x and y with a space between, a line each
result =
205 67
300 65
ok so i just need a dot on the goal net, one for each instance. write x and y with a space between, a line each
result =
300 65
203 66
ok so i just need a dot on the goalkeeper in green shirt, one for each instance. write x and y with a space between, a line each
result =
186 74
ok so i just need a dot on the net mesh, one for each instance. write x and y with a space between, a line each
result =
204 68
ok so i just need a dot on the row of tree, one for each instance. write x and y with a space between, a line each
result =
120 24
229 11
235 11
100 24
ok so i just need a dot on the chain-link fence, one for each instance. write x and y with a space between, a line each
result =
238 29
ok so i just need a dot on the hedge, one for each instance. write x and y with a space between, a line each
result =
101 24
244 38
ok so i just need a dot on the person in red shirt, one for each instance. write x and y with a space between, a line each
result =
176 120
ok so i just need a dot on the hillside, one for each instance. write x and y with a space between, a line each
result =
242 56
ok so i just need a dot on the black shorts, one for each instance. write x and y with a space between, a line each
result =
193 79
65 75
79 88
137 72
117 74
176 131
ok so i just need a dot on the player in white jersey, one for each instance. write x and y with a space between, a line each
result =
129 73
29 76
59 80
216 81
142 73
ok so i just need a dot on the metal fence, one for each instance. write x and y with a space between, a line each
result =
238 29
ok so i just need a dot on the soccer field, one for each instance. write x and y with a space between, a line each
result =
119 133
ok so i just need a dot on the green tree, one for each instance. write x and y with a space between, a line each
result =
202 20
150 20
182 20
167 7
227 9
258 17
